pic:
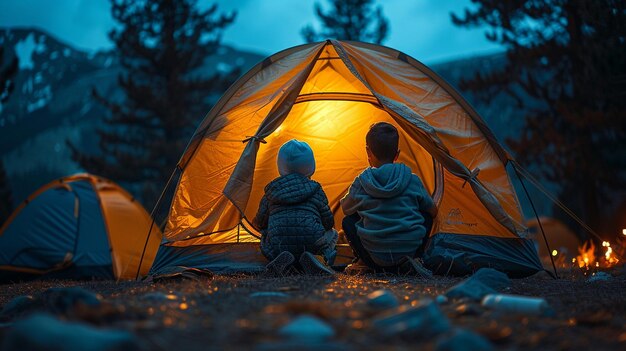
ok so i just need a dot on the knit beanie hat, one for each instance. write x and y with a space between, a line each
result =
296 157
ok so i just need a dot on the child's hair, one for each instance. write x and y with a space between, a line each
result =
382 140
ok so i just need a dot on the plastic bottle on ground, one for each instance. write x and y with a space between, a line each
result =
517 304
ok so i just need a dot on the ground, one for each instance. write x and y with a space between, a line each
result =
220 313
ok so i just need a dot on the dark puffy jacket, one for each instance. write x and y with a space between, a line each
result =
293 215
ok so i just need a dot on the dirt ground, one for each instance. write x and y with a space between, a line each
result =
220 313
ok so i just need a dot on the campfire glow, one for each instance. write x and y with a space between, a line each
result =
587 256
610 258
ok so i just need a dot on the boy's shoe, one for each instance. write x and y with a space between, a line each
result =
313 265
358 268
412 266
279 265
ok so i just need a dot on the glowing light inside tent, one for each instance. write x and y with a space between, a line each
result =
624 231
278 130
554 252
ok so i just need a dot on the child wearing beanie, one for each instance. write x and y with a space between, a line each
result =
294 217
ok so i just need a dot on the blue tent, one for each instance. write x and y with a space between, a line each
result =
76 227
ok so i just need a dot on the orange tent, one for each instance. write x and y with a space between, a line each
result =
76 227
328 94
560 238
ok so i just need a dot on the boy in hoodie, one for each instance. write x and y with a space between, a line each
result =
387 209
294 218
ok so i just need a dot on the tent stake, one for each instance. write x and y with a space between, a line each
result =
538 221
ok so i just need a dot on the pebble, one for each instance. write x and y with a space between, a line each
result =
53 300
599 277
44 332
485 281
382 299
441 299
425 319
17 307
468 309
462 340
61 300
307 328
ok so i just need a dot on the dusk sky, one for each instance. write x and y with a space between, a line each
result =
420 28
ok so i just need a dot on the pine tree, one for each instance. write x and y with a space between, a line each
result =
162 45
567 68
349 20
6 87
6 74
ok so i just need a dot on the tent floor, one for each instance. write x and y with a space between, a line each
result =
446 254
223 259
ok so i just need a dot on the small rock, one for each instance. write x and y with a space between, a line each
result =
307 328
61 300
485 281
441 299
44 332
468 309
599 277
462 340
17 307
495 333
275 294
492 278
382 299
425 319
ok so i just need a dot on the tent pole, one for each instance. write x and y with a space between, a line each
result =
154 209
538 221
556 201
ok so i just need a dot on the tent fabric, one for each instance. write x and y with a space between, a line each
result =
52 211
92 245
450 254
426 134
328 94
77 227
216 258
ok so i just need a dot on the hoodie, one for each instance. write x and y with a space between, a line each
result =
293 216
389 200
